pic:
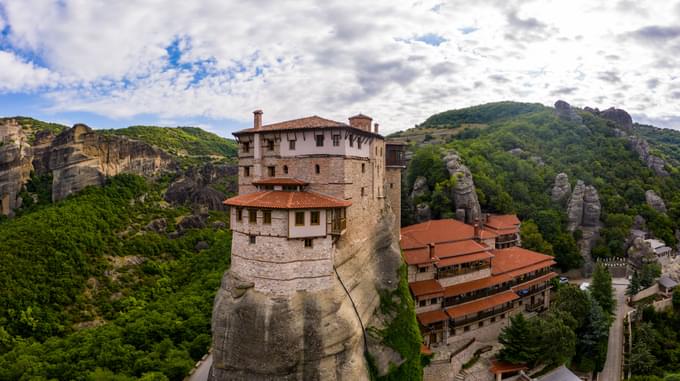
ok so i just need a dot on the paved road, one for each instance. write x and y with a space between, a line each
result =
201 374
612 367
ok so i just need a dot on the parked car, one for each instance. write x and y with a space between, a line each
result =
564 279
584 286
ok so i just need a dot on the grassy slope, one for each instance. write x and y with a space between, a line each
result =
664 140
31 126
157 313
181 141
481 114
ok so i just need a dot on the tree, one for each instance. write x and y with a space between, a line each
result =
557 343
518 342
641 359
601 289
571 300
634 286
649 273
593 336
532 238
676 298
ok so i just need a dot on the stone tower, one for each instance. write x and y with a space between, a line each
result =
314 239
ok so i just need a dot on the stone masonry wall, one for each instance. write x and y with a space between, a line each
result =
393 189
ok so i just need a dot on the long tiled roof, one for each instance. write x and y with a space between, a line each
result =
463 259
286 200
452 249
426 287
502 221
517 260
418 256
439 231
539 280
481 304
427 318
306 123
463 288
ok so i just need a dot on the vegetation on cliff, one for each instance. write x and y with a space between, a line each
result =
514 161
185 142
32 126
95 294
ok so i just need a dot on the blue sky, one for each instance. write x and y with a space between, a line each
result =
211 63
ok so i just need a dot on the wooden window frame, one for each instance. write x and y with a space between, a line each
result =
297 222
252 216
318 217
267 217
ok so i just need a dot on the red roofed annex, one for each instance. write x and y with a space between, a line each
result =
464 278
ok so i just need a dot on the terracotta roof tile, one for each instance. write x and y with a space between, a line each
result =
532 282
502 221
286 200
452 249
417 256
438 231
279 181
532 268
450 261
426 287
481 304
505 367
462 288
516 258
427 318
310 122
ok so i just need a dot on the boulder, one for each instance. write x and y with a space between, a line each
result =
562 189
641 147
565 111
655 202
516 152
201 245
423 212
591 207
575 206
217 225
464 192
620 117
193 221
159 225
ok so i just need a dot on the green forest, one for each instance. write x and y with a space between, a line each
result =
591 151
94 295
655 355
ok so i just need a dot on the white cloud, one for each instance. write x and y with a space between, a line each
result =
19 76
339 58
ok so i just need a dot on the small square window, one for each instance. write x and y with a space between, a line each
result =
267 217
270 145
467 328
493 319
291 145
252 216
422 303
271 171
315 217
239 214
391 185
481 324
359 143
252 239
336 140
351 141
422 269
308 242
246 147
433 301
319 140
246 171
363 168
299 218
317 169
363 191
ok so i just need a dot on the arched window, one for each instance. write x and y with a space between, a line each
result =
317 169
285 169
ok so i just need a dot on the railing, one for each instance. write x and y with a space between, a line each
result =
480 316
534 307
452 301
461 271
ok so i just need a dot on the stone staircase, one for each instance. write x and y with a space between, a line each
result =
461 375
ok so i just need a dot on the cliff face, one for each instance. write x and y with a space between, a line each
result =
79 157
15 166
641 147
310 335
583 213
464 193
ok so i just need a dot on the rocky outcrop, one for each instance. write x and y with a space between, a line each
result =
620 117
565 111
464 192
562 189
309 335
640 252
641 147
423 212
196 186
15 166
583 213
655 202
79 157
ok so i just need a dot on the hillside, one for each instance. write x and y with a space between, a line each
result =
111 281
188 143
515 158
32 126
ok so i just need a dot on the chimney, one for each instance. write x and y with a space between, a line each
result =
431 248
478 230
375 125
361 122
257 119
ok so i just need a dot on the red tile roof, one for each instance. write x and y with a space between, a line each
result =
426 287
516 259
286 200
417 256
452 249
310 122
463 259
438 231
427 318
425 350
532 282
502 221
279 181
479 284
505 367
481 304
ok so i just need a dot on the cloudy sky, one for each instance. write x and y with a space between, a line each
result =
210 63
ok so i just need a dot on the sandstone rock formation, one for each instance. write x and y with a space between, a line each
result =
562 189
195 186
564 111
640 252
464 193
79 157
15 166
583 213
641 147
620 117
655 202
309 335
423 212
